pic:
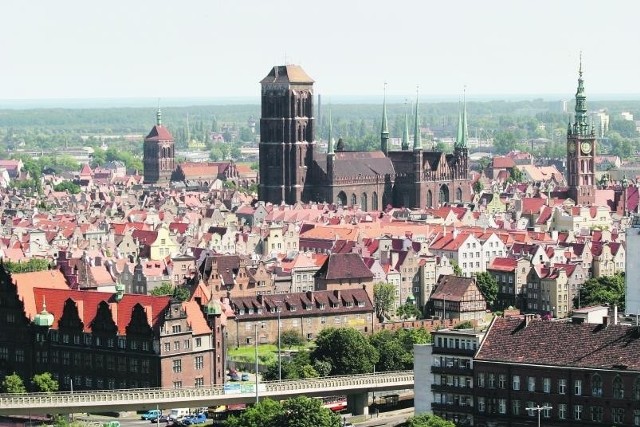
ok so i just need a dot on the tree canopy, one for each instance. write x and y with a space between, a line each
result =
45 382
291 338
602 290
428 420
34 264
13 384
300 411
346 350
488 286
299 366
384 298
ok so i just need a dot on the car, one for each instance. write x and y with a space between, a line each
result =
234 376
200 418
161 419
151 414
245 377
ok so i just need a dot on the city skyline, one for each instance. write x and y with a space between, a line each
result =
217 49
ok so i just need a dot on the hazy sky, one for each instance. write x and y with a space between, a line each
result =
221 48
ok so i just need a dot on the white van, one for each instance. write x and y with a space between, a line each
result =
176 414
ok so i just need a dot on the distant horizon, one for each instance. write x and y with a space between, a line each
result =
181 102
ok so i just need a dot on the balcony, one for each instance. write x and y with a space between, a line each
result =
454 370
450 388
452 407
453 351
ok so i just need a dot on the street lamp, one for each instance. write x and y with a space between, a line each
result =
539 409
279 352
255 328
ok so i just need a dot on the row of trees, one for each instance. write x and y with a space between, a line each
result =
44 382
346 351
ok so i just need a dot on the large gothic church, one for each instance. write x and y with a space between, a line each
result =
292 170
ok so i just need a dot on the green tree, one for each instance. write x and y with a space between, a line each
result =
45 382
165 288
602 290
67 186
384 298
346 349
409 311
300 366
291 338
428 420
303 411
34 264
517 175
456 268
393 356
504 141
299 411
478 187
13 384
488 286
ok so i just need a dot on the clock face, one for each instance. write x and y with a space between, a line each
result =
572 147
585 147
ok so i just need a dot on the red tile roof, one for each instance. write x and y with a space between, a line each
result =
503 264
550 343
159 133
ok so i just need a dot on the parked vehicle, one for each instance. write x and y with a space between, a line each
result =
160 419
111 424
151 414
234 376
200 418
177 414
245 377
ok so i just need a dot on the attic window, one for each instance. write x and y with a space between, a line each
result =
360 303
292 308
307 306
334 305
321 305
349 304
241 311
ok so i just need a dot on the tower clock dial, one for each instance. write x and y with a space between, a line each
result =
585 147
572 147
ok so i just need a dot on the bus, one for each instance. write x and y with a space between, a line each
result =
335 403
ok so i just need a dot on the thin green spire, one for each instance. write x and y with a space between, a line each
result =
581 124
465 130
330 143
417 141
405 133
384 132
159 117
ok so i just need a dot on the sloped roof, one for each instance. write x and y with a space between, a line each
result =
452 287
159 133
503 264
344 266
352 164
561 344
287 74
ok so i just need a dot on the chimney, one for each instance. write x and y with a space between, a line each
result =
605 321
527 319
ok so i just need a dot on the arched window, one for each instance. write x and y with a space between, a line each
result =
636 389
618 388
596 385
342 198
374 201
459 195
363 202
429 199
443 197
354 200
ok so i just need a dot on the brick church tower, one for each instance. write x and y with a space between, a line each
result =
158 154
581 152
286 135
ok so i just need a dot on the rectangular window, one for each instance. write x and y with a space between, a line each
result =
19 355
145 366
167 347
176 345
199 361
562 386
531 384
198 342
480 380
596 414
636 417
516 382
502 406
199 382
176 329
577 388
617 415
529 408
187 344
481 404
515 407
177 384
492 380
546 385
577 412
177 366
546 412
502 381
562 411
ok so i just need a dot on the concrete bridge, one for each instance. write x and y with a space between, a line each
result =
356 387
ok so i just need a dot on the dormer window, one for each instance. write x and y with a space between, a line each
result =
241 311
321 305
292 308
308 306
360 303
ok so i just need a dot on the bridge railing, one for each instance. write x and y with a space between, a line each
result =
271 388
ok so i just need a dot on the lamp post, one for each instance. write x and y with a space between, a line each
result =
539 409
255 328
279 352
625 185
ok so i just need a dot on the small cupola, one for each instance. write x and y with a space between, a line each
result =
44 318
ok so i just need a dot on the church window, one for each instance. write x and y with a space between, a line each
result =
429 199
374 201
354 200
459 194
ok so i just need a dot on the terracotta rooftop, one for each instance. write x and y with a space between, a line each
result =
544 342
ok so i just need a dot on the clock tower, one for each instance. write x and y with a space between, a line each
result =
581 152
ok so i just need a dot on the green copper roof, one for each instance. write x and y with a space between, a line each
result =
581 125
385 126
44 318
405 133
330 143
159 117
417 140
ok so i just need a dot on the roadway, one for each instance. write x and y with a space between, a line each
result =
97 401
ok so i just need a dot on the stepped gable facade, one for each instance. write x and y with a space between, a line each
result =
292 170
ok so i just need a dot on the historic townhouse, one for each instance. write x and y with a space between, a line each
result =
585 374
97 340
511 275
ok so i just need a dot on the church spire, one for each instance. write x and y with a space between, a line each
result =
384 132
159 117
417 142
463 132
581 126
330 142
405 133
